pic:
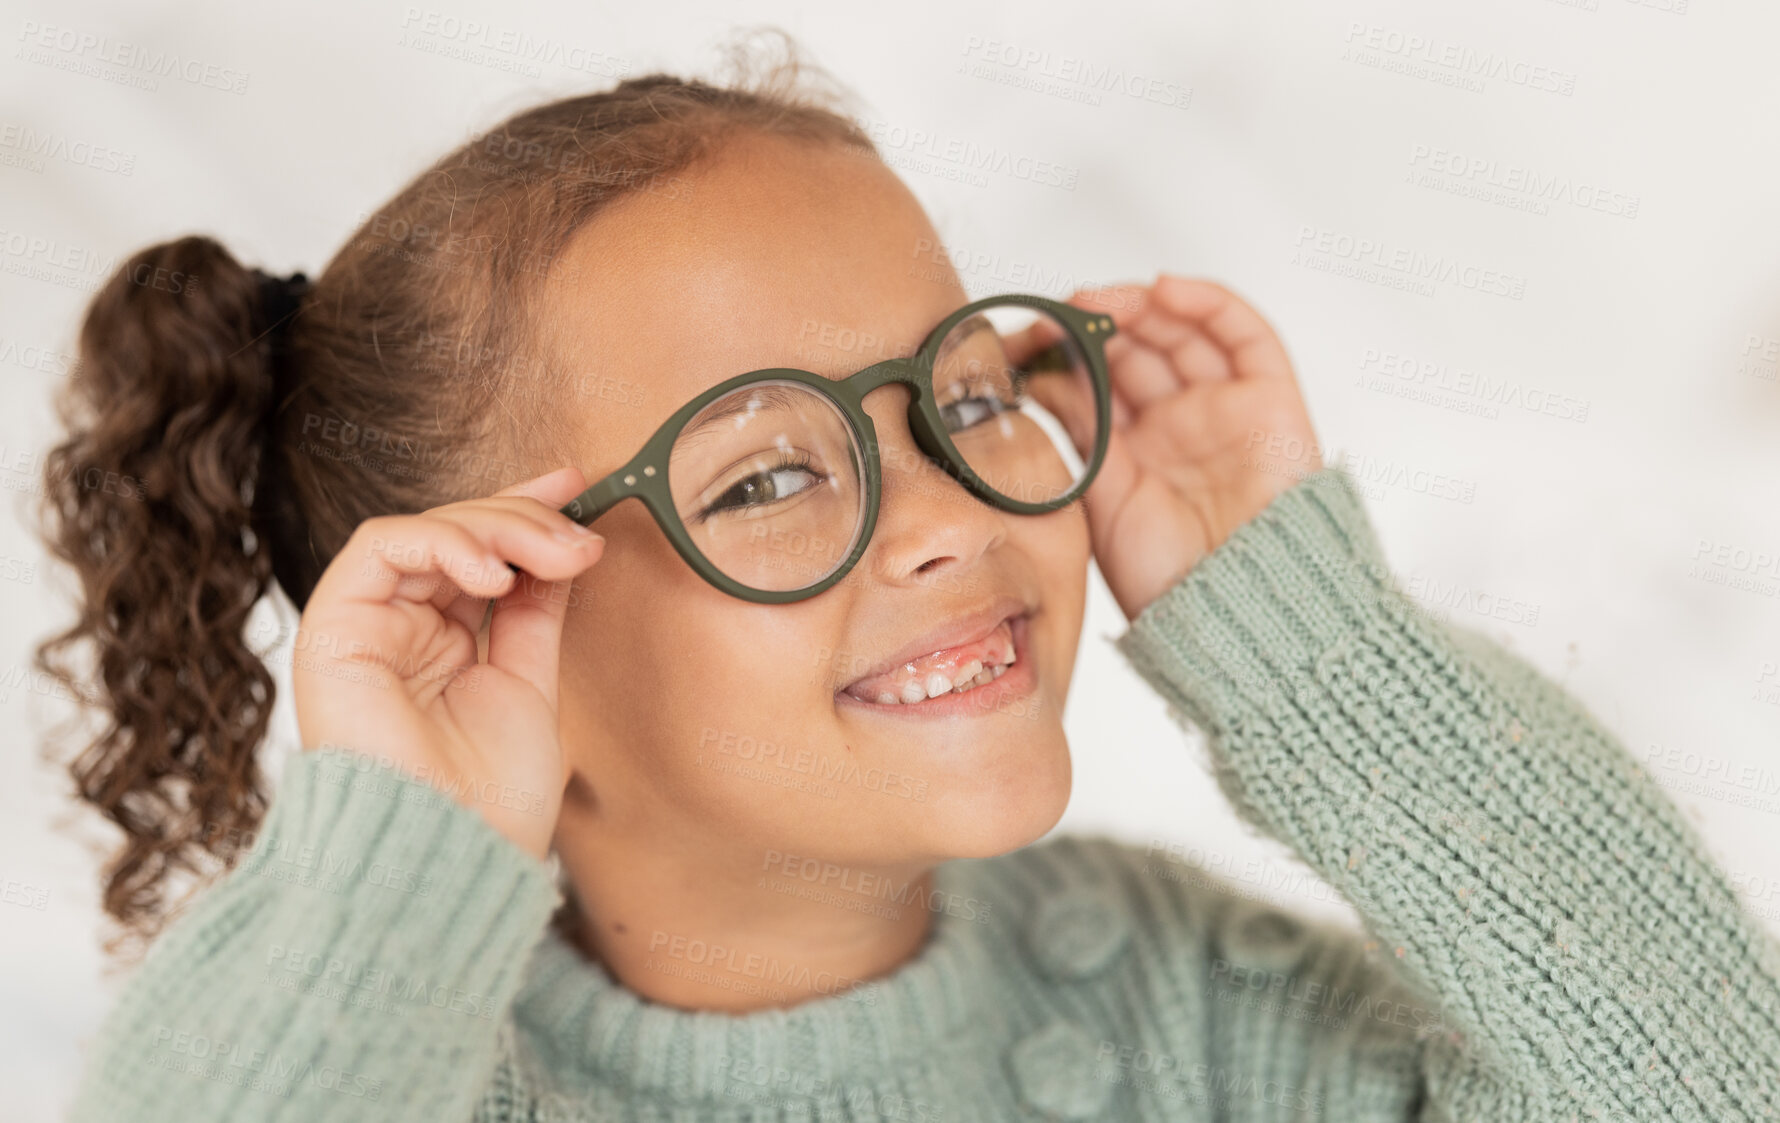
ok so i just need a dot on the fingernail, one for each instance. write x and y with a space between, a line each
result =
584 538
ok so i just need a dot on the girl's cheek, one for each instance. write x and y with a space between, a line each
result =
1061 543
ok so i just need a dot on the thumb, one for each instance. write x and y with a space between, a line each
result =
525 629
525 626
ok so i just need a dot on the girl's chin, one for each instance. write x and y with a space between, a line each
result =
1001 810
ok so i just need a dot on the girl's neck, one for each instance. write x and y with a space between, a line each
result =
733 930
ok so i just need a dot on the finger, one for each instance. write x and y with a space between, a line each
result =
405 556
466 610
532 536
444 596
540 499
554 489
1230 324
525 633
1183 353
551 490
1190 353
1142 373
385 550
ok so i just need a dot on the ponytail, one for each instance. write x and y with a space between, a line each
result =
150 500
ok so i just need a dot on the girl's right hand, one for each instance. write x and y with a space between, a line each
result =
386 660
1208 427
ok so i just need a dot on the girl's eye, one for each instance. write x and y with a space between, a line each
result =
981 389
780 481
962 413
1004 395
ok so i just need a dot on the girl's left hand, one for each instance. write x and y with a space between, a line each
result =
1208 426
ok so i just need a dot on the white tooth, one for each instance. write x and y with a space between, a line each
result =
969 671
885 698
1012 655
984 678
937 684
914 692
1000 669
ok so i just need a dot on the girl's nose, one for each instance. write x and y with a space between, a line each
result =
929 527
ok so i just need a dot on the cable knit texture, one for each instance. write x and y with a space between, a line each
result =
1546 939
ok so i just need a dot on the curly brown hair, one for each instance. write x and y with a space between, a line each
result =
191 478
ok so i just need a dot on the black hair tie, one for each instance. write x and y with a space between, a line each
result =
280 297
275 518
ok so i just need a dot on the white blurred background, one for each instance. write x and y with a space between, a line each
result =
1524 254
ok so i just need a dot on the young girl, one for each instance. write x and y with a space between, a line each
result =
770 743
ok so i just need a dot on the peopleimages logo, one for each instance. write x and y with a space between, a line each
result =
475 41
119 61
1165 1074
808 762
859 883
1092 76
767 970
1488 394
1379 257
34 147
1518 180
356 983
261 1070
1424 56
1295 995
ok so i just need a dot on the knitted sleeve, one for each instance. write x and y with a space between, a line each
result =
1515 867
356 965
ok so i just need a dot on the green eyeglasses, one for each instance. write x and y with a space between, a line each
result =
768 483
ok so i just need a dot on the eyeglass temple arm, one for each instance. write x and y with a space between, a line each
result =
599 498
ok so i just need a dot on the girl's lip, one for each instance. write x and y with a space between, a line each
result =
1017 682
937 672
954 632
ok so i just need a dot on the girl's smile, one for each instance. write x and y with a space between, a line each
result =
964 667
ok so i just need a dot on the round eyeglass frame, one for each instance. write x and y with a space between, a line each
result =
644 476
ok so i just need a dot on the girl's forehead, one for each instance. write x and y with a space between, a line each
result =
779 254
762 224
749 260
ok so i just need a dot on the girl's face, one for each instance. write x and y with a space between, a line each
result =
709 725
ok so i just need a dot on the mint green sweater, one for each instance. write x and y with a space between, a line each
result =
1547 940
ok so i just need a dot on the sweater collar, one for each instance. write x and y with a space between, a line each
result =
584 1019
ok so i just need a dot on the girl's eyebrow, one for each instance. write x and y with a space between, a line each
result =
758 399
955 338
766 397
